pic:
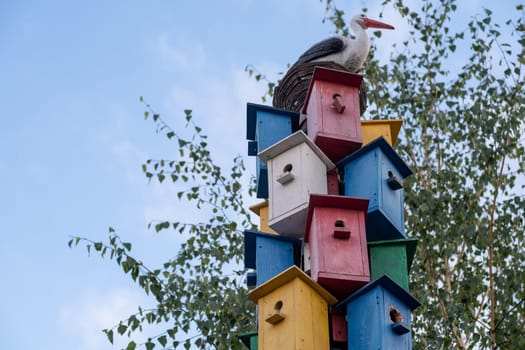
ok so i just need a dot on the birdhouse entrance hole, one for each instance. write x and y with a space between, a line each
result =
393 182
287 175
276 316
338 103
340 231
398 325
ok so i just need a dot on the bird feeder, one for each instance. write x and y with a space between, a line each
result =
270 254
296 168
261 210
388 128
377 172
392 257
335 230
293 312
265 126
332 112
378 316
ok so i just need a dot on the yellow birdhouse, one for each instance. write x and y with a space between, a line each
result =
261 209
388 128
293 312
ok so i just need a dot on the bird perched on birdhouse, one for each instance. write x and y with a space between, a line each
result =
339 52
395 315
349 52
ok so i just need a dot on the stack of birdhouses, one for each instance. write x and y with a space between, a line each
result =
329 266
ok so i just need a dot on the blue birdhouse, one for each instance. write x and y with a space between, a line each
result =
269 254
377 172
378 316
264 127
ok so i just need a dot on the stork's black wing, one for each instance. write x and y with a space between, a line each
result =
322 48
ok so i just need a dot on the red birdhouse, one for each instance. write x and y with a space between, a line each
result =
335 230
332 112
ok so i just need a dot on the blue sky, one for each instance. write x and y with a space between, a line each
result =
74 137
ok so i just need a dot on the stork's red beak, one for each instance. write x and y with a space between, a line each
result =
372 23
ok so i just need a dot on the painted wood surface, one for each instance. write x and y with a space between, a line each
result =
266 126
366 173
261 210
270 254
335 129
338 262
394 258
388 128
304 164
303 305
250 340
368 314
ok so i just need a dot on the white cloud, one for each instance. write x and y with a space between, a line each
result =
95 310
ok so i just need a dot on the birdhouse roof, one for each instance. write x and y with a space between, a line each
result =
394 124
387 283
251 117
256 208
332 201
250 247
333 76
245 337
410 246
285 277
381 143
290 141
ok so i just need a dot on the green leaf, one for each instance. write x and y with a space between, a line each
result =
109 334
162 340
131 345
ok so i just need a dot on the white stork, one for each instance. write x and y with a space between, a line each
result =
348 52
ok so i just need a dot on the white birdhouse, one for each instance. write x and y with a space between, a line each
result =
296 168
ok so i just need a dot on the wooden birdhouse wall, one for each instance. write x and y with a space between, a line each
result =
393 257
372 129
305 325
338 247
367 176
296 168
370 326
333 115
266 126
270 254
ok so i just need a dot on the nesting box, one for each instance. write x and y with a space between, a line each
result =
270 254
393 257
378 316
249 339
296 168
377 172
261 209
293 312
332 112
388 128
265 126
332 178
335 230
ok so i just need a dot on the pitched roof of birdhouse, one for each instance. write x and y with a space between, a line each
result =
293 140
251 117
410 246
333 76
381 143
387 283
256 208
332 201
246 337
285 277
250 251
